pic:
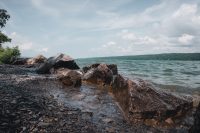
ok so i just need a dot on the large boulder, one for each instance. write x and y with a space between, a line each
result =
36 60
98 74
69 77
141 101
56 62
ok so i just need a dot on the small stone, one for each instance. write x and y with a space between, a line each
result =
13 101
43 124
17 121
169 121
110 130
24 128
107 120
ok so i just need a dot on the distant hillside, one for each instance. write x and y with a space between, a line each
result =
170 56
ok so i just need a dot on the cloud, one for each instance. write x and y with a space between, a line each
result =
103 28
43 6
126 35
174 30
185 39
44 50
186 19
20 41
27 47
186 10
110 48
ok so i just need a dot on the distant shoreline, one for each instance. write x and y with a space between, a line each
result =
164 56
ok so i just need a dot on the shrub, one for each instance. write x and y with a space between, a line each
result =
8 54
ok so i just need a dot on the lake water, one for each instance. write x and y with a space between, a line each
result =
180 76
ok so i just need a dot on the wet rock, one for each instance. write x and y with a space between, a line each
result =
98 74
56 62
86 68
20 61
119 89
36 60
196 127
140 100
70 77
113 68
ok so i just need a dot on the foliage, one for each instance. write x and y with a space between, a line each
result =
4 38
8 54
4 16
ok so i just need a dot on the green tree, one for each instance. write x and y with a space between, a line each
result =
4 17
7 55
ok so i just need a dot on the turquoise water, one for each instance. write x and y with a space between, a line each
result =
183 76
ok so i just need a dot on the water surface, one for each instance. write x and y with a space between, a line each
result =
181 76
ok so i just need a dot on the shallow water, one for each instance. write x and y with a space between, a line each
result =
181 76
96 104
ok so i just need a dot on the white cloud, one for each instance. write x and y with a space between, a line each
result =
185 39
20 41
129 36
185 10
109 44
110 48
26 46
44 50
162 26
45 8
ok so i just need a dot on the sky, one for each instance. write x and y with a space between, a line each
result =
96 28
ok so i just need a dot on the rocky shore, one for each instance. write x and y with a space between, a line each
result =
55 95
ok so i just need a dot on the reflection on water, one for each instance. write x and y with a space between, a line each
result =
184 74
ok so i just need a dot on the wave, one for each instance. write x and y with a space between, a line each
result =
195 73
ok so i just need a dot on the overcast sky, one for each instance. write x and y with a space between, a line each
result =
91 28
